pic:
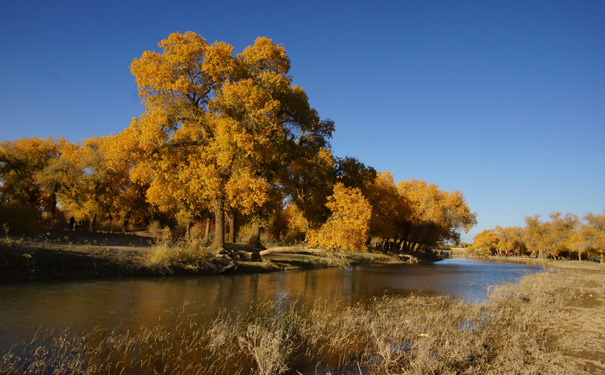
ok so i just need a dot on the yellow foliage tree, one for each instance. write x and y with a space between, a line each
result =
552 237
90 186
510 239
436 215
309 180
591 236
295 224
349 224
22 191
216 124
295 219
390 210
533 234
486 241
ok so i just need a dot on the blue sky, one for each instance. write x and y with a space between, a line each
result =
504 100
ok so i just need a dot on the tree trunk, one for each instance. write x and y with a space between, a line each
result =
232 227
398 244
92 225
219 225
188 231
427 236
54 205
207 231
254 240
125 222
405 246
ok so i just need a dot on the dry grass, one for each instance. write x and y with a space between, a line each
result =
572 264
551 323
25 259
186 254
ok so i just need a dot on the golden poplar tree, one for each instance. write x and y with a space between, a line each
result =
390 210
348 227
590 237
436 215
215 125
510 239
23 200
561 232
533 235
90 186
486 241
309 180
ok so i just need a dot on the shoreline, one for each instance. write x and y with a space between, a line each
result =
560 264
33 260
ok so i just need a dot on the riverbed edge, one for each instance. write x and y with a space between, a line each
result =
31 261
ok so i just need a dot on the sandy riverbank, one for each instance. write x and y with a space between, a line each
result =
88 256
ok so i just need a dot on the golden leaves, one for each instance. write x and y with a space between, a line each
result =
486 241
295 220
430 205
265 56
349 225
210 117
562 235
246 192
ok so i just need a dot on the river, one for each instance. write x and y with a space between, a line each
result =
136 302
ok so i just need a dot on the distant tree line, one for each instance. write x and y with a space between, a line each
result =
561 236
227 146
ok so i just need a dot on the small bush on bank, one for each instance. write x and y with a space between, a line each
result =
160 234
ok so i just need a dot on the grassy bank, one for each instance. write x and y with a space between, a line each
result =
86 256
550 323
560 263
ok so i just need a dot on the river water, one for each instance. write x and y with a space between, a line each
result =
135 302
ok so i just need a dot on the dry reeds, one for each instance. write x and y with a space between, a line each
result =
183 254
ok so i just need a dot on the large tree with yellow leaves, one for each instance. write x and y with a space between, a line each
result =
435 215
215 125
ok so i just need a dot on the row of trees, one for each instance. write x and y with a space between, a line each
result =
561 236
225 135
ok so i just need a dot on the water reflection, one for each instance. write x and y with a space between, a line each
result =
133 303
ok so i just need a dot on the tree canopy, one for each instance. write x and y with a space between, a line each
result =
219 124
227 134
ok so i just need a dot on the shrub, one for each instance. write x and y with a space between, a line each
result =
189 254
158 233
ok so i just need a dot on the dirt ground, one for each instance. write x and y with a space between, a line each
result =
581 328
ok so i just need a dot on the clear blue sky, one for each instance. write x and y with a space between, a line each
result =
504 100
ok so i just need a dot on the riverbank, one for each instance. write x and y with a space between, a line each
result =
86 256
561 263
548 323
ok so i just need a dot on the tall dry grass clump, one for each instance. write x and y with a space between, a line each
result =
186 254
531 328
